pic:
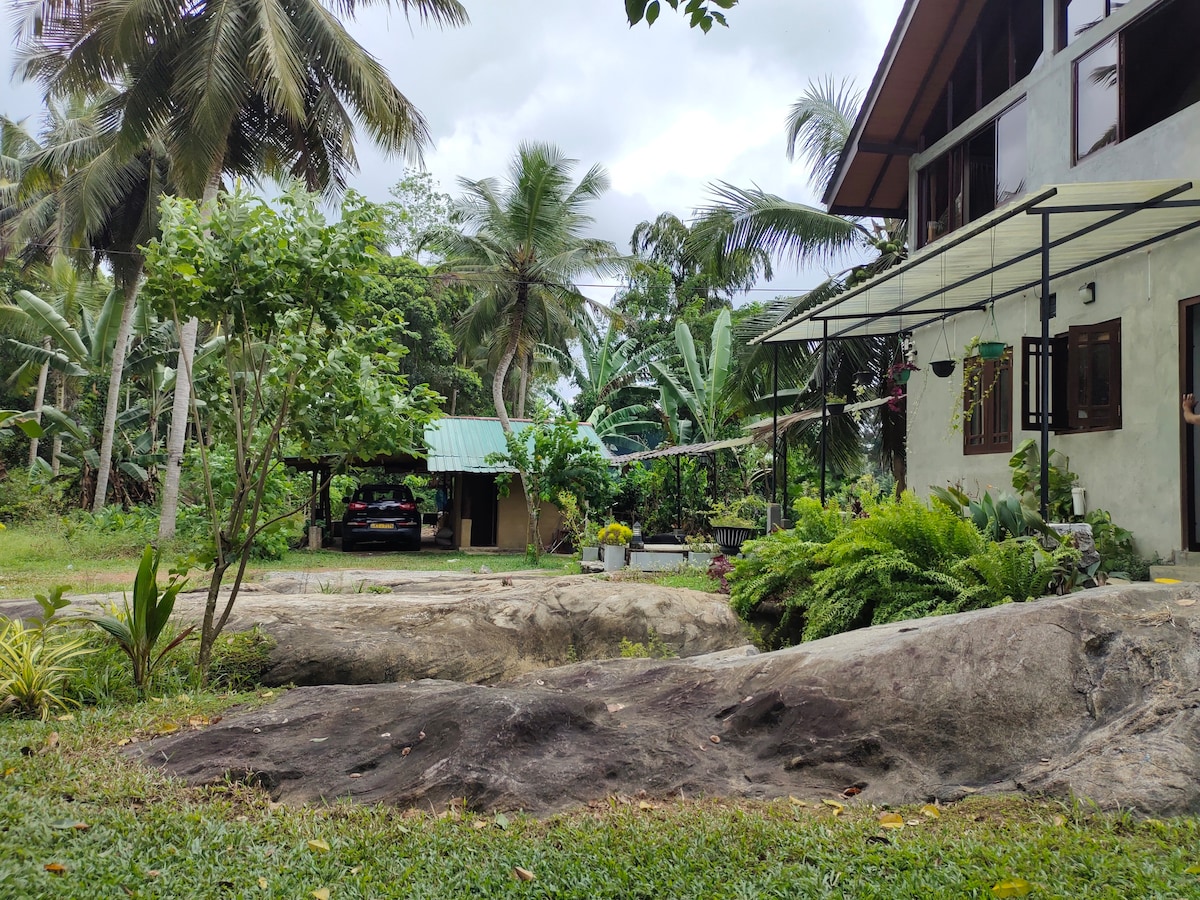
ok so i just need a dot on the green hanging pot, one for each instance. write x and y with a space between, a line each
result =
992 349
902 376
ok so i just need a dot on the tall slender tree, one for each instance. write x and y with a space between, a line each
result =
238 87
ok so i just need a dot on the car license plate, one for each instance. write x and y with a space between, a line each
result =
387 525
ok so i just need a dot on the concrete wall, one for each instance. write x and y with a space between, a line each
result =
512 521
1133 472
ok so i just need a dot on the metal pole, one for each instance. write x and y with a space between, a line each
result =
775 424
785 477
1044 365
824 410
678 495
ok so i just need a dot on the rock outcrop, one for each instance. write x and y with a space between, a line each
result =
1096 694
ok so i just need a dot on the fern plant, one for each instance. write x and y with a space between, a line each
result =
773 569
1010 571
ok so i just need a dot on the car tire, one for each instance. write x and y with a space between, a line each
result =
347 544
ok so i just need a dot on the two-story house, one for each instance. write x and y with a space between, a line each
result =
1046 156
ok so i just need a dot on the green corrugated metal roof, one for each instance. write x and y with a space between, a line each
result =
463 443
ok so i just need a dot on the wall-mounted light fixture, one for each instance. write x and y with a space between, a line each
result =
1087 292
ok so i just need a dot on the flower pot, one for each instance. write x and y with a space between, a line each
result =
943 368
834 409
902 376
731 538
589 554
992 349
699 559
614 558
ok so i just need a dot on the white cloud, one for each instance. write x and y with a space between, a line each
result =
668 110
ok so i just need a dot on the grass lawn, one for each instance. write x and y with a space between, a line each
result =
34 559
78 821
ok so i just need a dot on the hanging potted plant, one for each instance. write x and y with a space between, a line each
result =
835 404
943 368
901 371
995 348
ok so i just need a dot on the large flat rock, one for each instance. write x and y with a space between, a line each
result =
1096 694
364 626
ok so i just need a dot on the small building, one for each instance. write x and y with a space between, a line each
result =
1046 157
456 454
458 449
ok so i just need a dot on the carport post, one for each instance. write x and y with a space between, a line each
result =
775 424
678 494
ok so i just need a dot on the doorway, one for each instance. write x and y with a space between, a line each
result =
480 501
1189 381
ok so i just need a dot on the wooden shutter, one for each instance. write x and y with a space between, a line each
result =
1094 376
1031 395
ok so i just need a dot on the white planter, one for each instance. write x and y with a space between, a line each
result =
699 560
654 561
614 558
590 554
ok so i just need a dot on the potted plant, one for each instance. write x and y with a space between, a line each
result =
834 404
730 527
995 348
700 551
589 543
943 368
615 537
901 371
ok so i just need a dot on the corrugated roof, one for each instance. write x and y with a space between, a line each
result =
463 443
1000 256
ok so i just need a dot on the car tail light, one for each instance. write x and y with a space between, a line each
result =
408 506
357 506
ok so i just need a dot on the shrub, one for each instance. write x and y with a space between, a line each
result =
33 667
27 498
891 565
776 569
240 659
1009 571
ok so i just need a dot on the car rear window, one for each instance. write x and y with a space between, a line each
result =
398 494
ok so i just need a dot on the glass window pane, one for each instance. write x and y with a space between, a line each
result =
1011 154
1160 67
981 173
1027 35
1096 99
1082 15
1101 367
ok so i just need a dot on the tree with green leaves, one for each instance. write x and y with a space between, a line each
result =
300 373
552 458
699 396
740 219
521 244
702 14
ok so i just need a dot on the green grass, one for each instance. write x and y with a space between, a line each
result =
120 830
33 559
692 579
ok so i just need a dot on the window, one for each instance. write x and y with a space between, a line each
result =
1085 379
1146 73
987 405
1001 50
1077 17
974 177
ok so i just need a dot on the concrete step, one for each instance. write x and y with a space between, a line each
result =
1176 572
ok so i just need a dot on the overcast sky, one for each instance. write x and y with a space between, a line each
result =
667 110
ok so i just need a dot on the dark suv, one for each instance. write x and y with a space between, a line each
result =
381 512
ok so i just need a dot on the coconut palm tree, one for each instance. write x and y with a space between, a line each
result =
521 243
80 195
818 125
235 87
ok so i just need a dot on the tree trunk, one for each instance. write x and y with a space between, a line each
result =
523 385
178 432
39 398
180 402
130 288
60 401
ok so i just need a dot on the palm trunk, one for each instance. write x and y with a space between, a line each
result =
39 398
56 447
178 432
179 404
114 388
523 386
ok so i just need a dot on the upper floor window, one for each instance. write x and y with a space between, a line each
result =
974 177
1077 17
1001 50
1147 72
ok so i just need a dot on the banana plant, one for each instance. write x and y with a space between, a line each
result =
702 389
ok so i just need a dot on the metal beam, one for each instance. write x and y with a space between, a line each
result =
824 406
1044 364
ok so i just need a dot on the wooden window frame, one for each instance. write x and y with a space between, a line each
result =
991 439
1066 414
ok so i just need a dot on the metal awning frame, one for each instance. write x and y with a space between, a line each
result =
847 324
